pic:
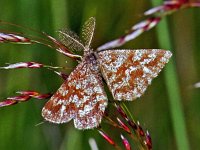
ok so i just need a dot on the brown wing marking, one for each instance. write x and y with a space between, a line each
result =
129 72
81 97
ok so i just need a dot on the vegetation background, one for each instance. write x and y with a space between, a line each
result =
154 110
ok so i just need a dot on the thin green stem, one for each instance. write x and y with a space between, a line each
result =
127 111
173 90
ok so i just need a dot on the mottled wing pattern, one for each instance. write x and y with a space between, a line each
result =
129 72
88 32
81 97
61 107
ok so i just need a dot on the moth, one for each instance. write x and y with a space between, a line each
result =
82 98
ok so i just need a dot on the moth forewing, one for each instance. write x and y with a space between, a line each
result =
129 72
81 97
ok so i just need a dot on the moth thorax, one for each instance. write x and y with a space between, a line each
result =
87 51
92 61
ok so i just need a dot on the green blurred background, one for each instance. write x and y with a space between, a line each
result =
154 110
